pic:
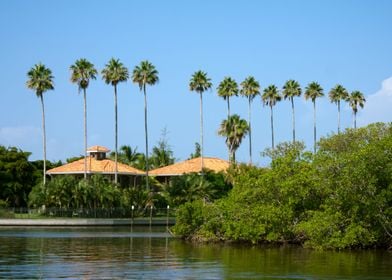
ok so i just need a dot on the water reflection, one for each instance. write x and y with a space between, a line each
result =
150 253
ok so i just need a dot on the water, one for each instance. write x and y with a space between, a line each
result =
141 253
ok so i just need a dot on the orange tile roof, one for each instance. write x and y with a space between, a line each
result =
105 166
97 148
191 166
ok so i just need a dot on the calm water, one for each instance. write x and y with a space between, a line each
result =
119 253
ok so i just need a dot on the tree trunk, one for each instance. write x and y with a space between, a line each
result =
228 107
250 130
116 136
272 127
355 120
85 134
43 137
338 116
201 133
292 108
146 135
314 126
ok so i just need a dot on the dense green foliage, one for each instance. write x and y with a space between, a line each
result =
340 197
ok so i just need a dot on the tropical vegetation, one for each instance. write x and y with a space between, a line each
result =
81 73
143 75
200 83
40 79
338 198
250 88
114 73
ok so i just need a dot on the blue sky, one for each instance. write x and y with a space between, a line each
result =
346 42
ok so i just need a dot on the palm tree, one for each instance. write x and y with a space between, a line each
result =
234 129
228 87
337 94
356 99
313 91
114 73
292 89
40 80
81 73
250 88
270 97
145 74
200 83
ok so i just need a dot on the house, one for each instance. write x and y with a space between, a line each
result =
97 163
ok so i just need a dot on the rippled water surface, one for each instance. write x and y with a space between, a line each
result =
144 253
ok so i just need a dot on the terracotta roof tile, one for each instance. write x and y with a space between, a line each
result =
98 148
105 166
190 166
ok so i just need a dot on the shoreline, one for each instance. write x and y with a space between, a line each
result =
74 222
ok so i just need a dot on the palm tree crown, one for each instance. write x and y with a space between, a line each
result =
145 74
291 89
82 72
313 91
234 129
115 72
200 83
250 88
271 96
40 79
338 93
356 99
227 88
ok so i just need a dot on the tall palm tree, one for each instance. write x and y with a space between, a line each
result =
228 87
356 99
313 91
40 80
234 129
250 88
337 94
292 89
200 83
81 73
114 73
145 74
270 97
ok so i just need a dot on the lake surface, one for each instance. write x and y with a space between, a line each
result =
144 253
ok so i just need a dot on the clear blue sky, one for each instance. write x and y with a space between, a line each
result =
347 42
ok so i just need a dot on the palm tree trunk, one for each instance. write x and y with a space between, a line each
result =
201 133
292 108
43 137
355 120
314 126
146 135
250 130
272 127
228 107
338 117
116 136
85 134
